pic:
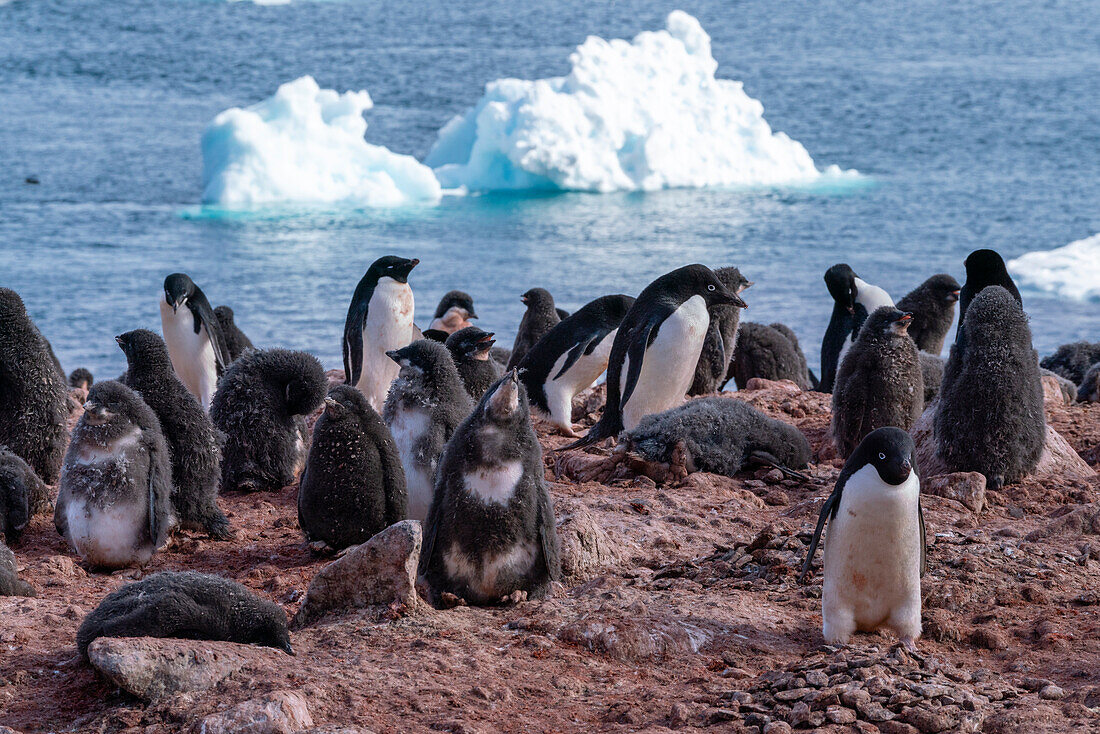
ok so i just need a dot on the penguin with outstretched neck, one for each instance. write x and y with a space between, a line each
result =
194 337
854 299
470 348
983 269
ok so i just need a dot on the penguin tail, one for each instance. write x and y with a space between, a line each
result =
602 430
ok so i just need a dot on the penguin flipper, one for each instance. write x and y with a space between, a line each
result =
826 510
586 342
353 343
923 539
765 458
548 537
639 343
205 317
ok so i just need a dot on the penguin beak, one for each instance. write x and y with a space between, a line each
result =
470 314
746 285
953 296
505 400
523 298
851 310
732 298
330 404
118 340
289 650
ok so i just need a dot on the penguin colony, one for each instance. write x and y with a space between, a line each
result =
439 429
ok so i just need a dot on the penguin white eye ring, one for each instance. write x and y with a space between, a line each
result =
882 456
710 287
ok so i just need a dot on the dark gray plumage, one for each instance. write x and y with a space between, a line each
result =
34 407
1073 360
990 416
931 370
191 438
22 494
1068 389
770 352
879 383
471 351
491 528
186 605
353 486
932 304
538 319
81 378
257 406
1089 389
720 343
236 341
10 583
719 435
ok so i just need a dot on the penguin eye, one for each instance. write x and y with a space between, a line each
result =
710 287
882 456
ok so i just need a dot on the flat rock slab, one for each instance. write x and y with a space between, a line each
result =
280 712
585 547
152 667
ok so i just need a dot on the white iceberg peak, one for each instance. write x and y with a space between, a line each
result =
1071 271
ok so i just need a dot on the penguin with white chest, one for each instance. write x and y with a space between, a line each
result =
379 320
572 355
194 337
657 347
874 555
854 299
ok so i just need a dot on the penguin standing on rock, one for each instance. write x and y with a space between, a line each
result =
194 337
538 319
22 494
470 348
259 407
380 319
426 404
932 304
874 555
570 357
353 486
192 441
983 269
453 313
854 300
880 382
114 503
769 352
34 401
653 357
235 340
721 341
491 529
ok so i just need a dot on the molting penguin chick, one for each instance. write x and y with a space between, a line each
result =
854 300
538 319
194 337
1072 361
721 340
353 486
1089 389
187 605
879 383
983 269
453 313
470 349
656 348
426 404
114 504
770 352
22 494
570 357
187 429
874 555
81 378
380 319
258 406
990 416
235 340
10 583
932 304
34 406
491 528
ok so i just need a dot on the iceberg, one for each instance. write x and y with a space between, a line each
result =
1071 271
305 145
633 115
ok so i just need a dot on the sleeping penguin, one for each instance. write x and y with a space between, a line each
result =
491 529
470 349
874 555
453 313
539 318
379 320
114 503
570 357
656 348
194 337
854 300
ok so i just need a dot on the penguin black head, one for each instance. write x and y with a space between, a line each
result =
702 281
733 280
344 401
82 378
889 321
537 298
436 335
178 287
420 357
11 305
505 402
984 264
944 287
111 401
142 346
840 279
890 450
392 266
470 343
457 300
271 631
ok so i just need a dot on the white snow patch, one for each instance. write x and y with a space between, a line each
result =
1071 271
305 145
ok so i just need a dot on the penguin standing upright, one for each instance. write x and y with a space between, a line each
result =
853 300
721 341
470 348
491 529
453 313
114 503
236 341
932 304
657 346
539 318
380 319
570 357
874 555
194 337
983 269
191 438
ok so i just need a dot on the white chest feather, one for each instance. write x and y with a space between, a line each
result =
191 353
388 326
116 451
494 484
486 574
407 427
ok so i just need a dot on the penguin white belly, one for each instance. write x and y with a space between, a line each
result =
388 326
668 366
484 573
407 428
113 536
585 371
872 559
192 354
871 296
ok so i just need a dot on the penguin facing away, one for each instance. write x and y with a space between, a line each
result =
470 349
81 378
932 304
854 300
491 529
769 352
194 337
353 486
571 357
875 549
379 320
539 318
236 341
453 313
721 341
983 269
656 348
22 494
114 502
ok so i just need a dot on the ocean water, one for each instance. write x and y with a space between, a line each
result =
972 124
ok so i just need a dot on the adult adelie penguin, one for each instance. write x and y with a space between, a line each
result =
874 555
194 337
491 529
236 341
453 313
470 348
657 346
854 300
932 304
572 355
538 319
983 269
380 319
720 344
